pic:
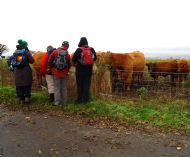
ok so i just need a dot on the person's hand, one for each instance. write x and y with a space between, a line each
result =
11 68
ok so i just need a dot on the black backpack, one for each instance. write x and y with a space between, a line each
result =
61 61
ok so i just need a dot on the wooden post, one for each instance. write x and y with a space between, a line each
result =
1 68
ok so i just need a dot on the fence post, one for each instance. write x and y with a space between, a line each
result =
1 68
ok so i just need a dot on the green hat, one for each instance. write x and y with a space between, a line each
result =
22 42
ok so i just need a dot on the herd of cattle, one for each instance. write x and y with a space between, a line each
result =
130 66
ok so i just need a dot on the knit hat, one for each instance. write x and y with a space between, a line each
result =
22 43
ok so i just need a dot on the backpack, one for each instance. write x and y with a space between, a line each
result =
18 59
61 61
86 56
50 51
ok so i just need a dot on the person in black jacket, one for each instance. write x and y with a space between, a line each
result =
83 69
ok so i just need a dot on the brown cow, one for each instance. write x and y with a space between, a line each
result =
183 70
124 64
138 65
37 66
163 68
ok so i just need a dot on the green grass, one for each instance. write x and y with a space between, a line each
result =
167 116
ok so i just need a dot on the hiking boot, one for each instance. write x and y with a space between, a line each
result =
51 96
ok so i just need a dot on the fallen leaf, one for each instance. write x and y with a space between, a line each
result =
39 151
28 119
178 148
56 152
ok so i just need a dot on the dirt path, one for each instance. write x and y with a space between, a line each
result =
40 135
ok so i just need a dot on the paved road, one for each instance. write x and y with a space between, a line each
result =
39 135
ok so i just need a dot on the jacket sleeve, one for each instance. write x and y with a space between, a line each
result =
69 61
44 64
94 53
51 60
29 57
76 56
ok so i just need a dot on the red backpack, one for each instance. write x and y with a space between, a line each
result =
86 56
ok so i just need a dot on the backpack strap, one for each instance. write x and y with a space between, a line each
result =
23 51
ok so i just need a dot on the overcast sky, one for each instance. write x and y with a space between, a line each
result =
115 25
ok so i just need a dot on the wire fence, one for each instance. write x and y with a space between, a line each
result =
108 82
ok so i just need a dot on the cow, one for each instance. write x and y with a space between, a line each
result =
138 65
124 65
37 66
183 70
163 68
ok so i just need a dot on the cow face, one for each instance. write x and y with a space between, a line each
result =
150 66
103 57
183 66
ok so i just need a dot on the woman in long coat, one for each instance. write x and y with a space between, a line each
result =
23 75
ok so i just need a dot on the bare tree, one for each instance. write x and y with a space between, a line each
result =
3 48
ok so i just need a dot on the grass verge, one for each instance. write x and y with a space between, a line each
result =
167 116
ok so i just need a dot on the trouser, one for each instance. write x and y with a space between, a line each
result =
83 86
50 83
23 92
60 90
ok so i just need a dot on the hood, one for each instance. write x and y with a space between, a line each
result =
83 42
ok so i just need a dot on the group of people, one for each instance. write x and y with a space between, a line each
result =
55 68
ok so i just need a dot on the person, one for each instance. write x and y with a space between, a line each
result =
58 65
9 63
83 69
23 73
49 77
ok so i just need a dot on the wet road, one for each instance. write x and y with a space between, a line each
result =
40 135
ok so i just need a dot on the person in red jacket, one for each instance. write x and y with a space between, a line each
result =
48 76
58 65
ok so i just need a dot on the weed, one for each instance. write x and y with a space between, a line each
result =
143 93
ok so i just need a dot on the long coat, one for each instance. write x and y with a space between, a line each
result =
23 76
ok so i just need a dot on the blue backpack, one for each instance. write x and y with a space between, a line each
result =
18 59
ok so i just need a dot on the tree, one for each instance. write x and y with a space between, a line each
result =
3 48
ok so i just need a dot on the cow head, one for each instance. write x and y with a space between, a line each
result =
103 57
183 66
150 66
